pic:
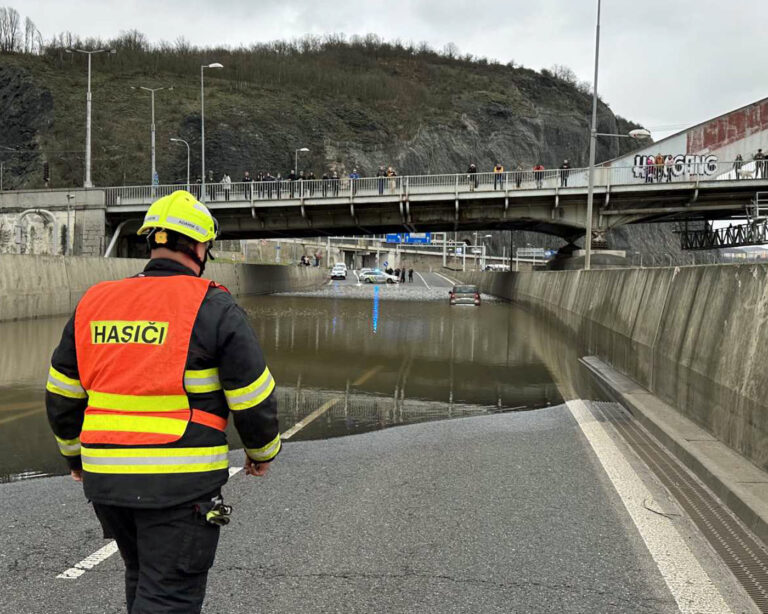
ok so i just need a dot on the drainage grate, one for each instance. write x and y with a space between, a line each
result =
743 553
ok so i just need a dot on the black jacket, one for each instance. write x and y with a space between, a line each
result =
221 338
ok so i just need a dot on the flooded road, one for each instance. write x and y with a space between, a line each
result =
369 357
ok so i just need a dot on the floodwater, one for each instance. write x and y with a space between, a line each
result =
371 363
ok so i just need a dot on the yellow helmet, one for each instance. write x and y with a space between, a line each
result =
182 213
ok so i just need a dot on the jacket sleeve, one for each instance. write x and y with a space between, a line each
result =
248 385
65 398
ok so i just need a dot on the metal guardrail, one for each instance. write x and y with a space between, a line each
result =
697 168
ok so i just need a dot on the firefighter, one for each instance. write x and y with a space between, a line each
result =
138 396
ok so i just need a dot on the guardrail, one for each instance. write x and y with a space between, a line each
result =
683 169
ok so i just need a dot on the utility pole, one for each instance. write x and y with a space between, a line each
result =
592 147
202 125
88 97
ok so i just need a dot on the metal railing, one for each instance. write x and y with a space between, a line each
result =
684 169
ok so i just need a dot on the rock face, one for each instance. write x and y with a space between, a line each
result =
26 112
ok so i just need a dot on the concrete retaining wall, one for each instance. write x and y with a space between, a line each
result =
695 336
41 286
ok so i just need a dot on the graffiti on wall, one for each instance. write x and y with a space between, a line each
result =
683 165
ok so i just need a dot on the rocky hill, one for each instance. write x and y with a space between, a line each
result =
352 104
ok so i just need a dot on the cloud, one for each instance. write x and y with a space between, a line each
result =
662 62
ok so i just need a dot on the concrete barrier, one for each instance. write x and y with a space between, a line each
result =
697 337
42 286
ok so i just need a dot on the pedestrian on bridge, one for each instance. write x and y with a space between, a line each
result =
247 180
410 275
226 185
518 175
760 164
211 186
335 181
472 177
139 393
669 168
381 174
311 182
565 170
392 179
354 176
538 174
737 164
498 176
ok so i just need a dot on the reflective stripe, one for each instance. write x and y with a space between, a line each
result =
134 424
186 224
266 453
60 384
251 395
155 460
130 402
69 447
205 380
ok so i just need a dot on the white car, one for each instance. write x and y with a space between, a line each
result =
375 276
339 272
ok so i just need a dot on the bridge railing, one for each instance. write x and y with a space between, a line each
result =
684 169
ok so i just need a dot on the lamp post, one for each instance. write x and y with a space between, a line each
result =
87 183
202 124
152 128
176 140
296 159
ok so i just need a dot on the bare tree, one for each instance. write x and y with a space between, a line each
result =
29 35
14 29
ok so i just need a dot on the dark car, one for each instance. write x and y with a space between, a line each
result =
464 295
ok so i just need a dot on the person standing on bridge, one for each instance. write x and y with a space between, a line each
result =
211 186
138 396
565 170
759 159
410 275
354 177
669 168
472 177
381 174
498 176
392 174
247 180
226 185
538 174
518 175
335 181
737 164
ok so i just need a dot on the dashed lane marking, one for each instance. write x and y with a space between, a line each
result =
102 554
422 279
327 405
689 584
23 414
450 281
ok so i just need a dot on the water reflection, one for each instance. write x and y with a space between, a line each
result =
380 362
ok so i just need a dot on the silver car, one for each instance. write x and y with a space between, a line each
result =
464 295
376 276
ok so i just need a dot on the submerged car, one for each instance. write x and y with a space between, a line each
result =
464 295
375 276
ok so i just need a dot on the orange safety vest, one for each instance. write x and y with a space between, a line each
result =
132 338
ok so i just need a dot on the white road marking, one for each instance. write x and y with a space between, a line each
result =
689 584
450 281
104 553
89 562
424 280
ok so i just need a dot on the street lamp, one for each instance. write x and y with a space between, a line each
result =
175 140
634 134
152 129
87 183
202 124
296 159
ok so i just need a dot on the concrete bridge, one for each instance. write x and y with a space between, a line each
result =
549 202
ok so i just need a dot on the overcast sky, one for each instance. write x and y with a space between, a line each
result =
667 64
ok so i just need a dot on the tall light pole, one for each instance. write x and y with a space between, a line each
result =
87 183
175 140
592 147
202 124
296 159
152 128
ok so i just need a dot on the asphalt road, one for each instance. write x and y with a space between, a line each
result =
502 513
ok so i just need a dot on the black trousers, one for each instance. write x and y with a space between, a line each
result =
167 555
